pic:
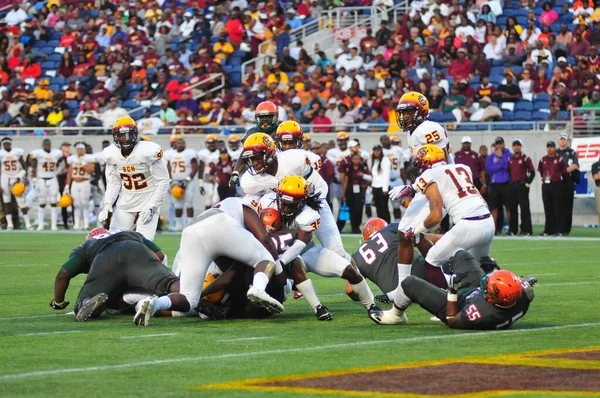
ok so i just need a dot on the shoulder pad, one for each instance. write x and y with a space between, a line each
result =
423 181
252 202
268 200
308 220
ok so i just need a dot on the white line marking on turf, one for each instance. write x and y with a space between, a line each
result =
24 265
16 318
245 339
143 336
567 284
344 346
45 333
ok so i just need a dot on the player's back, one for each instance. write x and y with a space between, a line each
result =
93 246
233 207
455 184
377 258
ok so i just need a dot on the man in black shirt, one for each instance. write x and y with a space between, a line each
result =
114 263
498 302
571 178
383 35
508 92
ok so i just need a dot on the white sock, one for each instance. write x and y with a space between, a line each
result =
86 218
308 291
77 216
134 298
178 223
400 299
163 303
365 295
397 312
27 220
260 281
53 216
41 215
9 219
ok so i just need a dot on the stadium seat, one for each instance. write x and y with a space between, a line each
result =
507 115
522 126
52 44
449 117
541 104
475 80
522 115
538 116
524 106
497 70
542 96
565 114
436 117
55 57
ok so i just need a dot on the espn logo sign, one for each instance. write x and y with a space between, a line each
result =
588 151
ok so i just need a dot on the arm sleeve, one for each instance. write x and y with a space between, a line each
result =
113 185
75 265
161 176
151 245
293 252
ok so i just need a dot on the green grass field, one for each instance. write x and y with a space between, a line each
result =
45 353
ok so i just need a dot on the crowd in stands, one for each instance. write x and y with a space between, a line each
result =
85 63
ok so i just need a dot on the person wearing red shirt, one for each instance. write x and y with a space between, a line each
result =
552 168
235 29
470 158
175 88
221 172
321 120
461 67
72 92
31 69
67 39
522 173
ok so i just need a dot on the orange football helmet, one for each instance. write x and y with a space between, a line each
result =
502 288
96 232
174 138
211 142
289 135
428 155
125 133
65 200
266 117
412 110
258 153
18 189
306 140
271 219
373 226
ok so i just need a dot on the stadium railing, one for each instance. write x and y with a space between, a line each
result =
585 121
492 127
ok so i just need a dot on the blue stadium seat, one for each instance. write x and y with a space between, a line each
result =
132 95
523 106
234 61
8 132
73 104
134 86
450 79
235 78
523 115
137 114
467 127
507 115
475 80
130 104
542 96
522 126
497 70
565 114
436 117
522 20
58 80
55 88
496 79
56 36
56 57
541 104
49 65
46 50
537 115
53 44
239 53
449 117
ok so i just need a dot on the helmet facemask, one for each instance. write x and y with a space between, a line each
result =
406 117
256 162
266 122
125 137
288 206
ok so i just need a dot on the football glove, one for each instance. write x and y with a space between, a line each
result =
145 216
234 181
58 306
103 215
402 191
455 282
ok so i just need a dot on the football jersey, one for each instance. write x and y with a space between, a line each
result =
47 162
395 154
138 172
478 313
428 133
234 207
99 158
315 160
9 161
335 156
235 155
181 163
308 220
455 183
209 158
291 162
78 163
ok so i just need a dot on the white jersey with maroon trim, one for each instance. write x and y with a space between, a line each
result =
10 164
47 162
180 163
78 162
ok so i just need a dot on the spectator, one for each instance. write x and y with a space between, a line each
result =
570 178
235 29
67 65
512 58
352 60
186 104
526 84
554 116
112 114
68 120
88 117
354 175
541 84
436 97
222 49
100 92
522 173
332 112
55 116
454 100
556 48
461 67
43 92
552 168
596 176
548 16
493 49
344 120
497 168
465 29
16 15
383 34
121 91
381 169
215 116
5 117
323 62
220 174
579 45
292 20
508 92
149 125
166 114
31 69
375 120
321 120
470 158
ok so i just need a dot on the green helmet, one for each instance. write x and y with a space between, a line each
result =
266 117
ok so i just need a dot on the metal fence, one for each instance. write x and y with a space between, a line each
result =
585 121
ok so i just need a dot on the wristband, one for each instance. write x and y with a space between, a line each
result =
200 183
419 229
188 178
452 297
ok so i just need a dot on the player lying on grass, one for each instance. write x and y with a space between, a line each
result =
115 264
224 294
229 229
293 231
377 258
474 300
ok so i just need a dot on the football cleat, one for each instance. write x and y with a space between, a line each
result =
389 317
145 312
211 310
92 307
323 314
264 300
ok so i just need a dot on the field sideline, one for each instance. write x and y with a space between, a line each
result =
45 353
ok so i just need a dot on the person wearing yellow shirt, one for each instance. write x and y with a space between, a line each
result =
42 91
277 76
53 3
55 117
222 48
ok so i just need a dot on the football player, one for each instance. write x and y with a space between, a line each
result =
266 168
183 165
493 301
396 156
80 172
336 156
113 263
266 119
300 218
99 183
235 147
13 171
44 166
306 142
167 155
289 135
446 186
230 229
208 157
137 174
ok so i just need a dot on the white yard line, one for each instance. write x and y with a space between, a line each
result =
45 333
143 336
16 318
245 339
567 284
342 346
24 265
